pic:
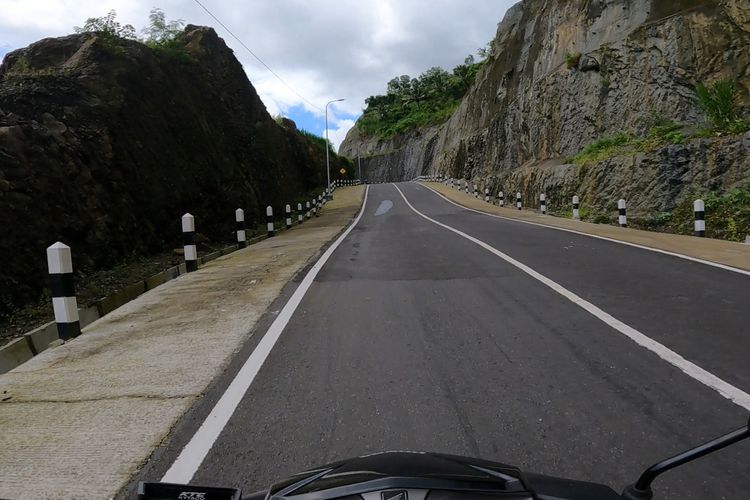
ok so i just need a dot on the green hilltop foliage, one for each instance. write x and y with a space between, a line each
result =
160 34
413 102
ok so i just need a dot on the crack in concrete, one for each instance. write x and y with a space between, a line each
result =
103 398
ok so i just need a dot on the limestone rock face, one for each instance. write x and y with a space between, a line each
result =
528 111
104 145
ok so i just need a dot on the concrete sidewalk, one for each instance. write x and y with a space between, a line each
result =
728 253
78 420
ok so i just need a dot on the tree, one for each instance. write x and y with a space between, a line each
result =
465 73
435 80
160 31
107 26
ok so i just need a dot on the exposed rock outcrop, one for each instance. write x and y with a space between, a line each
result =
105 144
528 111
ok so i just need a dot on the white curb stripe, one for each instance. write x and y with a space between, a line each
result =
636 245
192 455
694 371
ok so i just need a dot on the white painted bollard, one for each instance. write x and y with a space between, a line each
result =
623 218
188 240
487 195
500 199
269 221
300 217
700 218
543 203
239 218
64 304
518 200
576 211
307 207
313 207
288 210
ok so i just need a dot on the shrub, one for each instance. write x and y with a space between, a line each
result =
719 102
107 27
159 31
572 59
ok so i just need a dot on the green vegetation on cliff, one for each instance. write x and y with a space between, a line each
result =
413 102
727 215
719 103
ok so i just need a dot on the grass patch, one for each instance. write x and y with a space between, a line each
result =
628 144
719 102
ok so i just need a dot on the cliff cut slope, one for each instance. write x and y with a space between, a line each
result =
104 144
564 73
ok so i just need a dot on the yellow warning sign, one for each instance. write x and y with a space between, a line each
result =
342 171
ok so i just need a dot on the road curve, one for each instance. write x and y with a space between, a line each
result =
413 337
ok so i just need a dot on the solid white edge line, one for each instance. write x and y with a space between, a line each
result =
732 393
192 455
636 245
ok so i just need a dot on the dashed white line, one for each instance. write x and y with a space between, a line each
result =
621 242
732 393
193 454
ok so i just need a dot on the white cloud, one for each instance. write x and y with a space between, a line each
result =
339 130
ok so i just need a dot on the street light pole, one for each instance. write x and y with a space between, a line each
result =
328 164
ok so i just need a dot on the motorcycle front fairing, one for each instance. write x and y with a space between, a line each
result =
399 475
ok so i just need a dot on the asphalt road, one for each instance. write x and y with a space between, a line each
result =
413 337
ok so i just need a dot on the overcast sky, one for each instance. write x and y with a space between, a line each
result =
324 49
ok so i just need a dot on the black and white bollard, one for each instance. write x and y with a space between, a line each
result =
543 203
313 207
60 265
318 206
288 210
188 240
269 220
487 195
518 201
500 199
700 218
239 217
576 211
307 207
623 218
300 217
476 194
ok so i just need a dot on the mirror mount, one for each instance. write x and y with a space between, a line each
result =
641 490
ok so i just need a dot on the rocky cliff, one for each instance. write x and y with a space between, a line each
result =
564 73
104 144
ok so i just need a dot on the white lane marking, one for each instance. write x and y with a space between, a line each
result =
694 371
192 455
636 245
383 208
